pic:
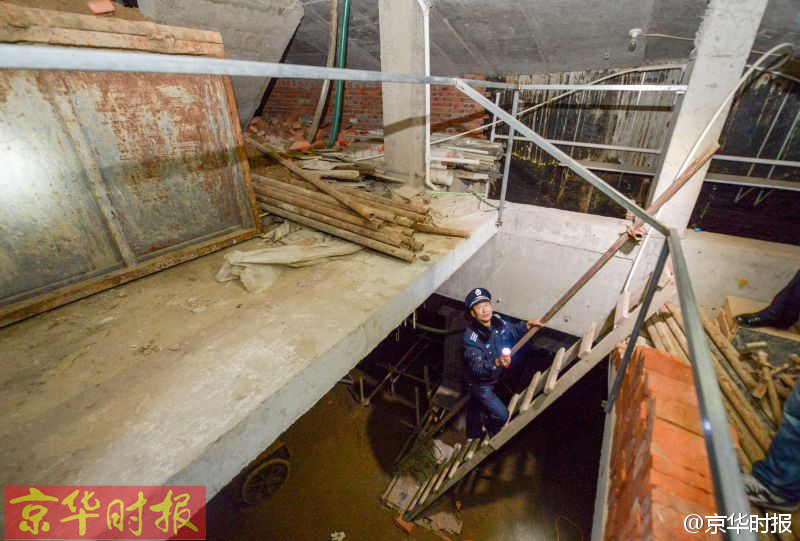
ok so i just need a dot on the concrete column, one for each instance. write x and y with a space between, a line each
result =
721 50
251 30
402 51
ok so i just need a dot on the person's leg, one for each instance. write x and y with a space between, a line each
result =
780 470
496 411
475 415
784 309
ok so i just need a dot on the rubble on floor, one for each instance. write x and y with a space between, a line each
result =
468 159
386 224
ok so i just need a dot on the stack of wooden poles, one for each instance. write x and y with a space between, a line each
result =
752 388
383 224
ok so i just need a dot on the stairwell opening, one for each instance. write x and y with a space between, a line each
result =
354 441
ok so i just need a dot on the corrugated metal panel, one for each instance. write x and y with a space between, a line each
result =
111 176
108 170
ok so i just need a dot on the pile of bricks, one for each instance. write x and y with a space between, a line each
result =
659 471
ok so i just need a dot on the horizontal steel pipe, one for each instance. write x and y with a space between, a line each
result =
567 160
72 59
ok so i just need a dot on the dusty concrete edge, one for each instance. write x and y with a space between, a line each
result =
263 425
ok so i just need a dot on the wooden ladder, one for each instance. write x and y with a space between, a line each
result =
569 366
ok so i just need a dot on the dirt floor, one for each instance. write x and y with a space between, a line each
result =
342 454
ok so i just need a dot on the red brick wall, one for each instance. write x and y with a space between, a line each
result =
659 470
363 107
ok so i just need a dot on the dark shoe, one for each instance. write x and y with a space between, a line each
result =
762 496
751 320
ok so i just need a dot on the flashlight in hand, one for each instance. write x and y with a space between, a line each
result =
505 357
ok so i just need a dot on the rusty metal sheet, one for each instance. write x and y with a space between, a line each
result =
108 171
51 227
163 144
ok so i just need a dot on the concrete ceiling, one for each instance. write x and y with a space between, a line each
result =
502 37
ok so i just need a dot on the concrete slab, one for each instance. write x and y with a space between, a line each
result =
540 252
178 379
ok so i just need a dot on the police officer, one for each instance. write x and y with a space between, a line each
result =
485 336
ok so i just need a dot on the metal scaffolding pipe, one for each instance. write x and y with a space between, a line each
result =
564 158
725 472
78 59
507 164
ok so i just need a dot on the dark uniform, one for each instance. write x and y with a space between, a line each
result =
482 346
784 310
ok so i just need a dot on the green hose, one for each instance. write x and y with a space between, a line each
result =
341 56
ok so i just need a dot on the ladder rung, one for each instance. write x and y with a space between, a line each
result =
453 458
457 462
587 341
512 406
472 448
622 309
552 376
528 398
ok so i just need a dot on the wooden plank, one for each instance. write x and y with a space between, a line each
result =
30 25
512 406
241 152
529 392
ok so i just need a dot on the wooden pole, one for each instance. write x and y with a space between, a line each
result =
333 16
357 229
400 253
327 187
774 403
319 208
436 230
695 166
411 207
731 391
728 351
650 327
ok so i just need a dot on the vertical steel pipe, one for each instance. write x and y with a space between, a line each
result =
507 164
637 327
725 471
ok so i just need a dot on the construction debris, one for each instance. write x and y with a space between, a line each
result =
383 224
466 158
753 388
258 269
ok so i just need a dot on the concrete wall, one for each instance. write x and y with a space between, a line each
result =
540 252
251 30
